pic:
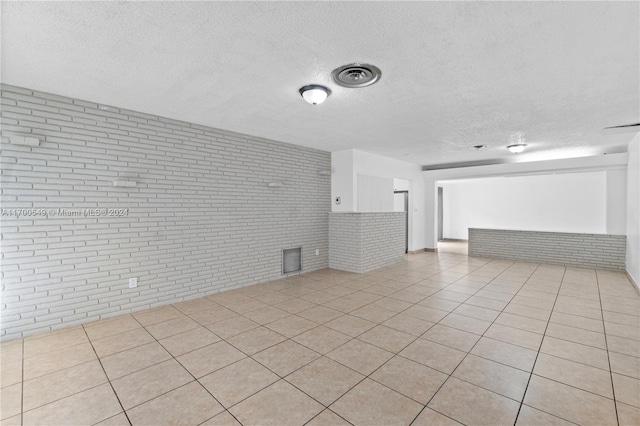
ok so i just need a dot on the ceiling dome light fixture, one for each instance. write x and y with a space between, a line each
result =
517 144
314 93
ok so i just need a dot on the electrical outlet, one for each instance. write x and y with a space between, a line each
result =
317 252
338 200
133 282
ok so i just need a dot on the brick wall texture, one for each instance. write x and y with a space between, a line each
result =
362 242
582 250
201 218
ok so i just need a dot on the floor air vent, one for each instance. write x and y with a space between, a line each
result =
292 260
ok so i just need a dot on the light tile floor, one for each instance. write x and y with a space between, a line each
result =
440 338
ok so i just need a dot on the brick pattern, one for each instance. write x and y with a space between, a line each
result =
201 218
569 249
362 242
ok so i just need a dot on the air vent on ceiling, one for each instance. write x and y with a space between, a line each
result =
292 260
356 75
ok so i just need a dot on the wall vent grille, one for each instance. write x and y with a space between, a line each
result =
292 260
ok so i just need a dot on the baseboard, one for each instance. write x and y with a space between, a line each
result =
446 240
635 284
422 250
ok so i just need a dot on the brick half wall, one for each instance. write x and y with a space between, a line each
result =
570 249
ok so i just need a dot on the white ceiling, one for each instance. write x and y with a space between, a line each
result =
454 74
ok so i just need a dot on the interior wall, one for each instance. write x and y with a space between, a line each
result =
375 194
200 217
633 210
554 203
616 202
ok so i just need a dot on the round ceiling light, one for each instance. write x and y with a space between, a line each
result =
356 75
314 93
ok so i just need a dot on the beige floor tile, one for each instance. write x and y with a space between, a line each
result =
11 351
408 324
628 415
279 404
328 418
486 303
227 387
493 376
109 327
322 339
192 306
232 326
575 352
624 319
392 304
10 373
11 401
580 311
439 303
154 316
407 296
132 360
117 420
39 345
371 403
60 384
627 389
477 312
150 383
528 311
471 325
363 296
569 403
452 337
373 313
382 290
188 341
494 295
271 298
88 407
266 315
625 365
577 321
121 342
623 346
470 404
624 331
410 378
428 417
515 336
285 357
190 404
523 323
453 296
255 340
210 316
222 419
425 313
344 305
434 355
171 327
350 325
505 353
293 306
318 297
244 305
529 416
325 380
360 356
387 338
292 325
210 358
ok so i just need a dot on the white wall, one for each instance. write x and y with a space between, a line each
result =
347 165
633 210
573 202
375 193
616 202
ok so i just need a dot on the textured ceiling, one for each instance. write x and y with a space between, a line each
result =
454 74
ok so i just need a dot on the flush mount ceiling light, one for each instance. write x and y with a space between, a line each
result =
314 93
356 75
478 147
517 144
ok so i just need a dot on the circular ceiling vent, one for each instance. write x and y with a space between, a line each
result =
356 75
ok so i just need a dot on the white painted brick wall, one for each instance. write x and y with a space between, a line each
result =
581 250
201 218
362 242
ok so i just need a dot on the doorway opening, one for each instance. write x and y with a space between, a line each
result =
401 204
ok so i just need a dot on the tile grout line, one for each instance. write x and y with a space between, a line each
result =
604 327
